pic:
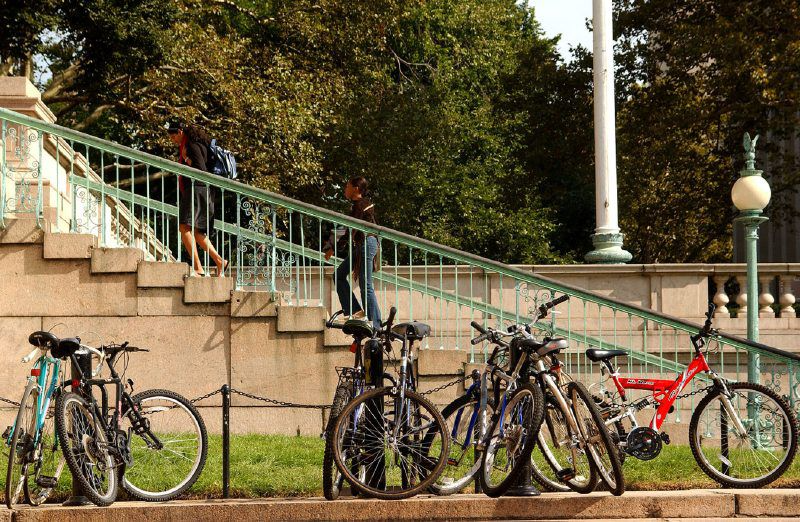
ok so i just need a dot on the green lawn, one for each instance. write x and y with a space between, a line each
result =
287 466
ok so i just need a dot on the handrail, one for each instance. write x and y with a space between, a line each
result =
381 231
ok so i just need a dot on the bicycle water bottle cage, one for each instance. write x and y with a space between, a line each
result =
43 339
358 328
413 331
66 347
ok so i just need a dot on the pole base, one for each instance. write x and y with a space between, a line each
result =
77 500
608 250
523 491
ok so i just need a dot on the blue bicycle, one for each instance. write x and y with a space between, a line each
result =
35 460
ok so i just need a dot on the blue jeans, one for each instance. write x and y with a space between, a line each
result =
350 304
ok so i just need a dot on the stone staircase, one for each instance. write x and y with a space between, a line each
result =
201 332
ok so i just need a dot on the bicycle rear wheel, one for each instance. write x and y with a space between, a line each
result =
21 444
400 443
560 462
332 480
168 448
757 456
512 439
85 448
599 444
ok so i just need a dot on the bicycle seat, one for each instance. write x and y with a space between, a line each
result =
43 339
358 328
413 331
601 355
554 345
66 347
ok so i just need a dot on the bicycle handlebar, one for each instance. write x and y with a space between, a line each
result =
28 358
495 335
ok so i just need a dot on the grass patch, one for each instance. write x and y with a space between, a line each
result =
288 466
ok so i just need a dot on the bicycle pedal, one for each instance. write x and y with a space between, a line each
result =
7 433
566 474
665 437
452 462
46 482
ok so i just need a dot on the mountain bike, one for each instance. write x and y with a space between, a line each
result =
35 461
492 434
154 442
366 372
391 442
741 434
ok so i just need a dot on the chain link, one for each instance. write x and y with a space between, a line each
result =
457 380
280 404
13 403
206 396
685 395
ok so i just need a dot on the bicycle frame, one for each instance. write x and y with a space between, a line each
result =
46 366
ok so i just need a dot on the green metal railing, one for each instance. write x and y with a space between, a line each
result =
273 243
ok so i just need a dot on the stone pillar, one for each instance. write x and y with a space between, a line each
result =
786 293
720 297
18 94
765 298
607 239
741 299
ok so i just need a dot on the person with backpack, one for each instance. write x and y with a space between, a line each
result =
195 200
365 256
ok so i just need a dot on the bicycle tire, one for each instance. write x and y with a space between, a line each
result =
50 459
789 427
332 480
79 465
363 445
185 479
14 485
611 471
531 422
458 483
554 428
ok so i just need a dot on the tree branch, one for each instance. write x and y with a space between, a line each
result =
61 82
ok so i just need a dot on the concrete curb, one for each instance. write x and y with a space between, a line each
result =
683 505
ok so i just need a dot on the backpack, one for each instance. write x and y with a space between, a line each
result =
221 161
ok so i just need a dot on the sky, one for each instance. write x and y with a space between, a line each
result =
565 17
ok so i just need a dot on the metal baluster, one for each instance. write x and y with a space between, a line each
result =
3 170
40 195
274 216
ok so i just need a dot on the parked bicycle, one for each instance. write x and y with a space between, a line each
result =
742 434
391 442
35 461
154 442
366 373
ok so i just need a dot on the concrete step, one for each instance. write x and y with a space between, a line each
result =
68 246
705 505
157 274
301 318
207 289
115 260
22 230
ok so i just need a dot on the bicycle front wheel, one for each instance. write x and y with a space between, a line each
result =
168 445
20 446
463 424
48 462
752 449
398 445
560 462
512 439
599 444
85 447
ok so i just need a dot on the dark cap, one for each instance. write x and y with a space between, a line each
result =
174 126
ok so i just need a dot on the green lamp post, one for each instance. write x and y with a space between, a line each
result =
750 194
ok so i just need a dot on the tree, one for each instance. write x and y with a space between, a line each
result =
694 76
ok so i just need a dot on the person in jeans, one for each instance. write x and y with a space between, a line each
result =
360 260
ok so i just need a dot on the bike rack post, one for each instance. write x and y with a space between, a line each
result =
226 440
524 486
85 364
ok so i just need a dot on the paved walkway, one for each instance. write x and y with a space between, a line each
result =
703 505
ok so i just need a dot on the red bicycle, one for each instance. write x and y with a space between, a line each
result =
741 434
